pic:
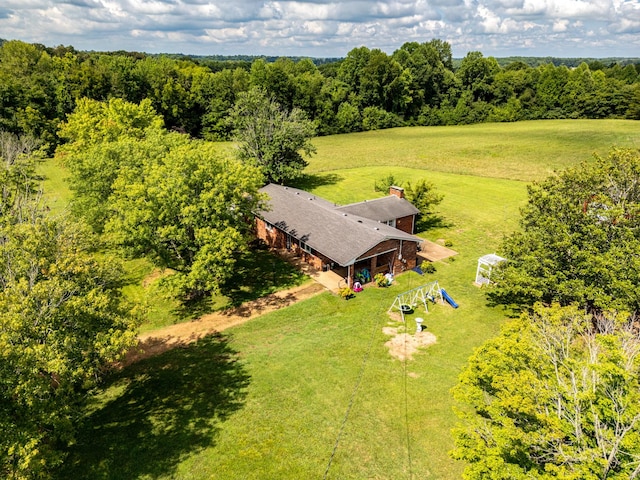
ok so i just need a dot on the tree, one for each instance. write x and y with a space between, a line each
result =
477 74
579 239
383 184
555 395
270 137
160 194
103 138
62 322
190 210
423 196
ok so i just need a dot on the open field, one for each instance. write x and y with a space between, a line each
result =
268 399
519 151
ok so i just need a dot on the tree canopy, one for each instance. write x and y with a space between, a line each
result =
189 209
62 321
418 84
555 395
184 203
270 137
579 240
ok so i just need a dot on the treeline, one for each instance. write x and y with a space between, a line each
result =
418 84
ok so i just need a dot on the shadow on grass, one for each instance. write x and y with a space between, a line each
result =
159 411
257 273
311 181
428 222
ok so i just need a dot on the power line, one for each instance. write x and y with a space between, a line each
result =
363 365
406 403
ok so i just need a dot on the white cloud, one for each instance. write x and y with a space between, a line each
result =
560 25
328 27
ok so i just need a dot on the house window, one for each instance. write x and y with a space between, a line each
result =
269 227
391 223
305 247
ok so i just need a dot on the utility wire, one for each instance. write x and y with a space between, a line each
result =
363 365
406 404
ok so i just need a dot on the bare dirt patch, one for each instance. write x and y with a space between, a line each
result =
182 334
434 252
402 346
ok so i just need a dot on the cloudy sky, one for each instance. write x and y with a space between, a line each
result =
321 28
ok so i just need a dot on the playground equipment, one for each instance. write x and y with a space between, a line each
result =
448 299
486 264
430 291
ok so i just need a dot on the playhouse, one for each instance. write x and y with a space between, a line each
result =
486 264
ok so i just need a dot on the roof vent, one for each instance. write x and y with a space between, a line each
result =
310 198
344 214
359 221
376 228
297 193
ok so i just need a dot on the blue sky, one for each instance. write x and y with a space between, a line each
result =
319 28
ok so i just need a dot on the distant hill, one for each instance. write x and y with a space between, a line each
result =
246 60
570 62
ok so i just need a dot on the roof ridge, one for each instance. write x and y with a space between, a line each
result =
368 201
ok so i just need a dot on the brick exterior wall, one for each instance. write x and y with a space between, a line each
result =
276 238
408 261
409 257
405 224
378 263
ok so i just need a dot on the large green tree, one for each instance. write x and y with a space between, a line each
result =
579 240
62 321
190 209
271 137
186 204
555 395
103 138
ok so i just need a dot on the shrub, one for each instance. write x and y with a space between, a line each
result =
383 184
346 293
381 280
428 267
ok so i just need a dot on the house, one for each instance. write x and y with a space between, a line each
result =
374 236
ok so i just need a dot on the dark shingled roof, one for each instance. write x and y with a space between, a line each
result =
381 209
339 235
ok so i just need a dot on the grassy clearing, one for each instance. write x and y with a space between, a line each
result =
302 364
291 375
55 188
267 399
518 151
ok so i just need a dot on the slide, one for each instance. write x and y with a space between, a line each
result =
449 300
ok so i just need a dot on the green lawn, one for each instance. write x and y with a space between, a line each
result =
519 151
268 399
56 191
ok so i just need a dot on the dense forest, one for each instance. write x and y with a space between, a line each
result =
419 84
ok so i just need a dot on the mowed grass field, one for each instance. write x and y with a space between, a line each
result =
311 391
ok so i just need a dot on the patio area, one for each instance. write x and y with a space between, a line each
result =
331 280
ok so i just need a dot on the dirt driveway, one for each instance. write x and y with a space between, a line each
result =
181 334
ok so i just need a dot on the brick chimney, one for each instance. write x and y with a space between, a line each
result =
397 191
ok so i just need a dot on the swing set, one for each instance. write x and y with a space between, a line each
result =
409 300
